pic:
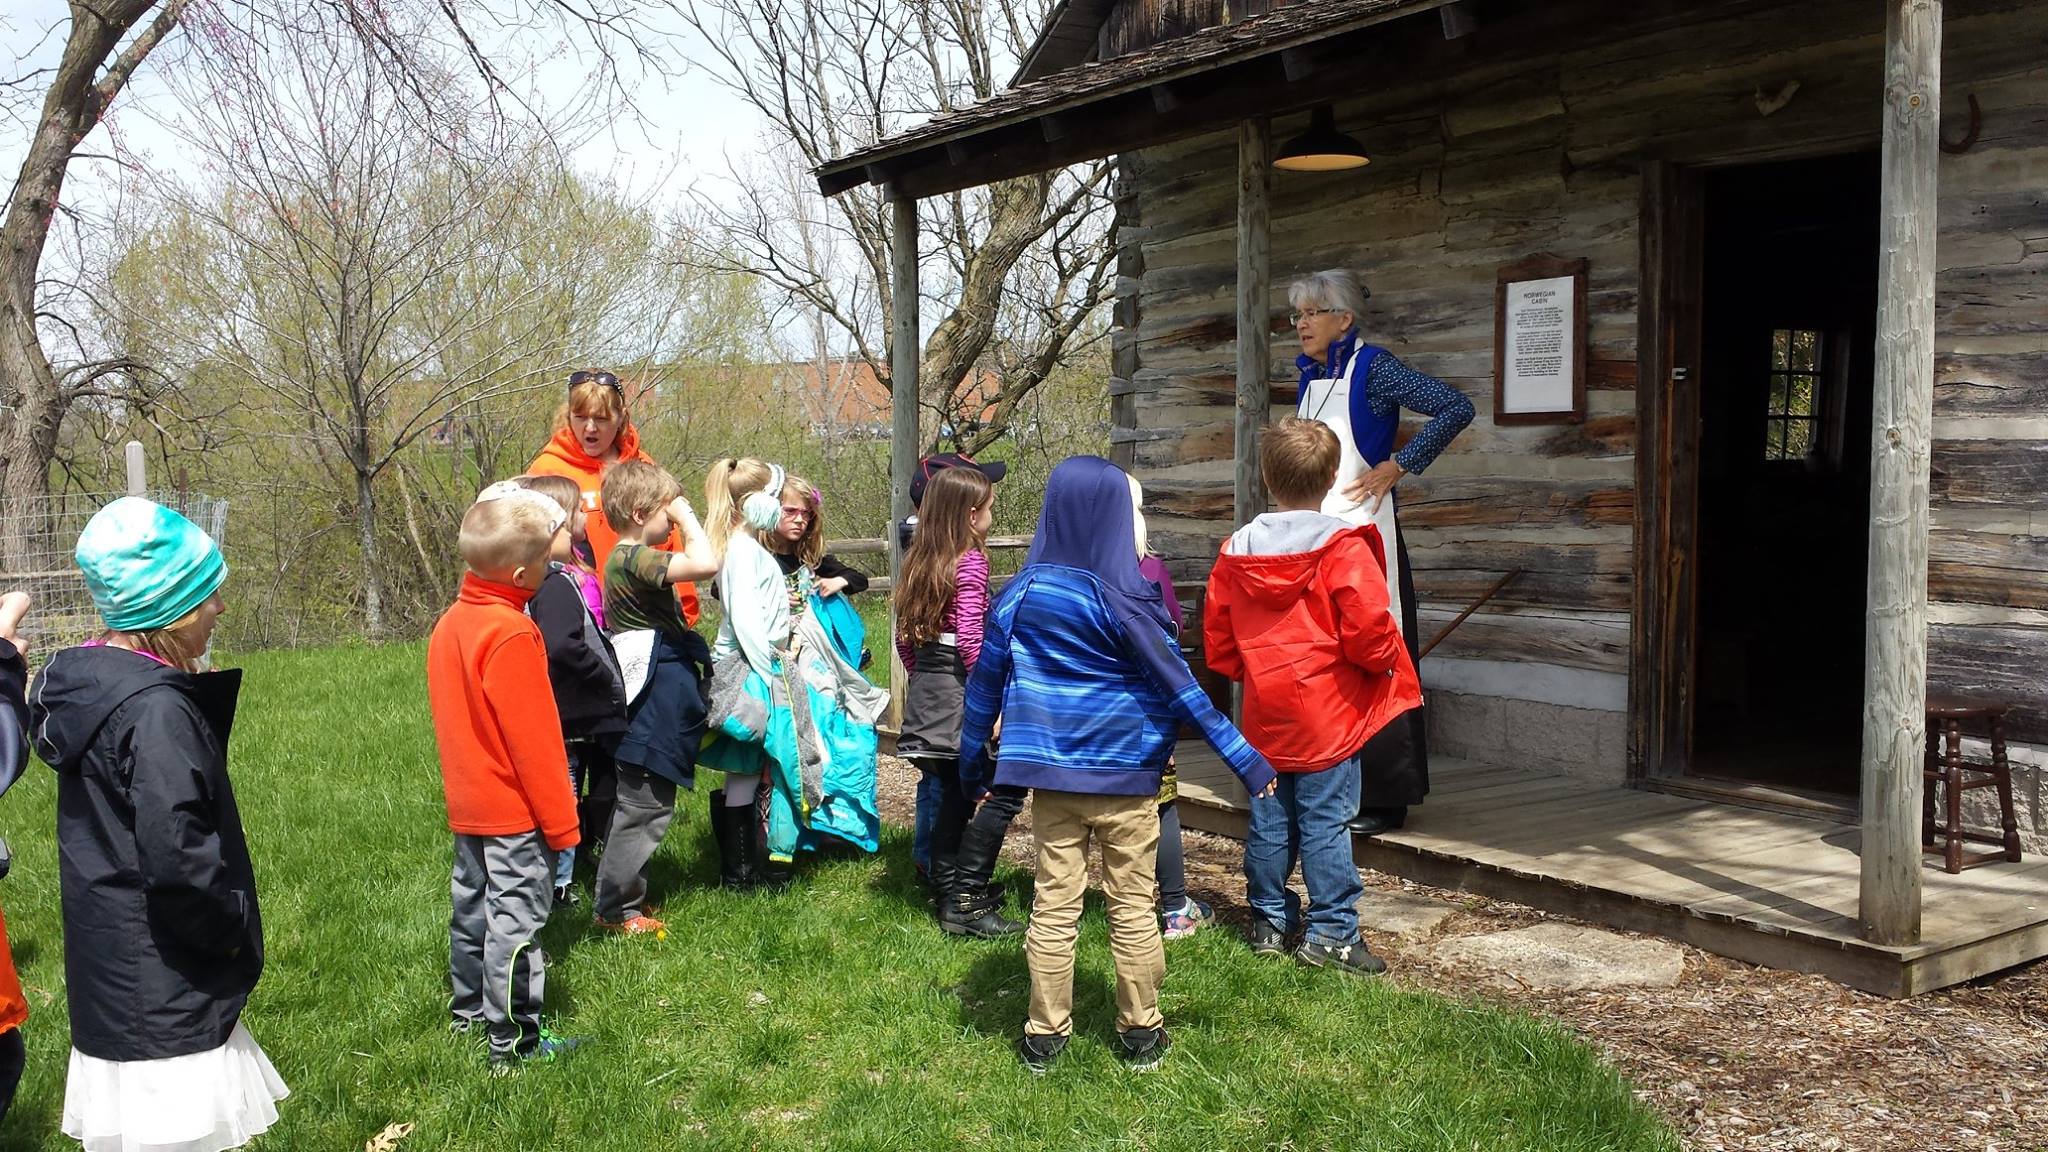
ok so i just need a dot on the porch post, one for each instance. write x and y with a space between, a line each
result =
905 349
1254 290
1895 632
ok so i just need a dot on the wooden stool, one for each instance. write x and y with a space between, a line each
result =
1946 766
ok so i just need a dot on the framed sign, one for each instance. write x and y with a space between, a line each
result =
1539 342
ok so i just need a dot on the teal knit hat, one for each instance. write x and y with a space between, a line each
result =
145 565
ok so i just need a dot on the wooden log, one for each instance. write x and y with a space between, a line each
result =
2003 473
1254 313
905 351
1895 635
2007 663
2007 570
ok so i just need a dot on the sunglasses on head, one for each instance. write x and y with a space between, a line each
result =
605 378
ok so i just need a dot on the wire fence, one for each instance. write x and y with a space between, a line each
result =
41 535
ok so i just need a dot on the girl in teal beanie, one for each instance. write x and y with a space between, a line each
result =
162 938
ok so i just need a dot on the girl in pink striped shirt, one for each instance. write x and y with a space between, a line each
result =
940 609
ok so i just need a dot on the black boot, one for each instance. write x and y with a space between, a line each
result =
766 873
1373 821
969 908
939 880
728 831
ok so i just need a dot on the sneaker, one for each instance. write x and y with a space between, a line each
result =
551 1048
1354 958
1143 1049
637 926
1038 1052
1187 921
567 897
1266 939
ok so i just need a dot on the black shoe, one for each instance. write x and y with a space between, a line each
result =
1143 1049
735 848
970 906
1266 939
1356 958
566 897
1373 821
1038 1052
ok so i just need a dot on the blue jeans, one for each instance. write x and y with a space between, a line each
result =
927 818
1304 820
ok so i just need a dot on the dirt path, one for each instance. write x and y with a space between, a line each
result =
1738 1057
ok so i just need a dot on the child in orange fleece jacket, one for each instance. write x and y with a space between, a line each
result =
503 769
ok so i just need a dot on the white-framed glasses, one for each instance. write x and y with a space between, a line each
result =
1299 314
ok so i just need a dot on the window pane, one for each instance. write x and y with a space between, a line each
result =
1774 438
1778 395
1798 439
1805 351
1781 342
1801 399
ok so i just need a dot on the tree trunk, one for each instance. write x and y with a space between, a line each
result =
366 537
32 399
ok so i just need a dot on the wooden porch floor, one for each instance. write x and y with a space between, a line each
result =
1763 887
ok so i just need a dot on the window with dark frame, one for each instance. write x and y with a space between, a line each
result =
1792 419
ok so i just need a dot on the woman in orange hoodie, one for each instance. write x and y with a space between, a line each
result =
592 433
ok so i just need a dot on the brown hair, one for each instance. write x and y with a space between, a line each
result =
500 534
593 396
173 643
945 532
560 489
810 548
1298 459
633 490
730 481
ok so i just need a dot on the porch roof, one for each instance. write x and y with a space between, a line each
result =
1097 109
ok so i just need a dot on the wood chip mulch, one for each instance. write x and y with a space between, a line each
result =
1736 1057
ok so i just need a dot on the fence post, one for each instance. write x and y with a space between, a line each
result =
138 482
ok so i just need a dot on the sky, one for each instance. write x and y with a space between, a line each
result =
689 123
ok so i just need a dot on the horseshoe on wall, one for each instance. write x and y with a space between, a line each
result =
1969 136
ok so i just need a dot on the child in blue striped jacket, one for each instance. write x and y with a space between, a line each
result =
1075 659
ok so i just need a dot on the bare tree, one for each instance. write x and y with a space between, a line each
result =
105 42
1024 262
369 279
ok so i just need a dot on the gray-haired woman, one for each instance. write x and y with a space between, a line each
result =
1359 389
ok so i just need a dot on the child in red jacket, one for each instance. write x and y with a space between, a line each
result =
503 769
1297 609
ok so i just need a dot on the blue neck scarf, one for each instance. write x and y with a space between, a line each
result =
1371 434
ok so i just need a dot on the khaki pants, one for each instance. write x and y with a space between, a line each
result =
1126 829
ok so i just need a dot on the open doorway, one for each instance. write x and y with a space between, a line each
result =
1788 299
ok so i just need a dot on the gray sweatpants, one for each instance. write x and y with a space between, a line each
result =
501 892
640 816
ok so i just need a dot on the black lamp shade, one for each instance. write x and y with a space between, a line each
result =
1322 148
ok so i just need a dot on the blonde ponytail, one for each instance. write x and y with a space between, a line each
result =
730 481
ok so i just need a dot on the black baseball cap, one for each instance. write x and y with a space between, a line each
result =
933 465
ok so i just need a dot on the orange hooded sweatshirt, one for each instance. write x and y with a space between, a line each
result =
503 766
564 456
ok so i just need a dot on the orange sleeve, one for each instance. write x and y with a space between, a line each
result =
515 685
1219 638
1365 619
13 1004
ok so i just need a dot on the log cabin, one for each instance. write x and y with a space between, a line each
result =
1798 496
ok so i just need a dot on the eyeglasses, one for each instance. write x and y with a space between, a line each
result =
789 513
605 378
1296 317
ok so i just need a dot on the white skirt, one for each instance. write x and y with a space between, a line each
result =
202 1102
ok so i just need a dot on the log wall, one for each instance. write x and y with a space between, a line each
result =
1529 137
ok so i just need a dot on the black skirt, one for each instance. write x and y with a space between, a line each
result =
934 702
1394 765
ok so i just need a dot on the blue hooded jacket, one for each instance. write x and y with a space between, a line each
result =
1078 661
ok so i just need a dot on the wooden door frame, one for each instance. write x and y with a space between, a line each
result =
1668 326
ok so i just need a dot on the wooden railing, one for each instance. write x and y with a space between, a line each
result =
879 546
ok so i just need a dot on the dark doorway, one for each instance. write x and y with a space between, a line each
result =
1789 299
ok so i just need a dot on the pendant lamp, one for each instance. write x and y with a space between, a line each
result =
1322 148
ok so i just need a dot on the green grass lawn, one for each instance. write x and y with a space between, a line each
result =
832 1015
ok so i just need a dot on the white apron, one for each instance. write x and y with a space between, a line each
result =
1330 402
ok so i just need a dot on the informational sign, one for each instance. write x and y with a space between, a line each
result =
1539 354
